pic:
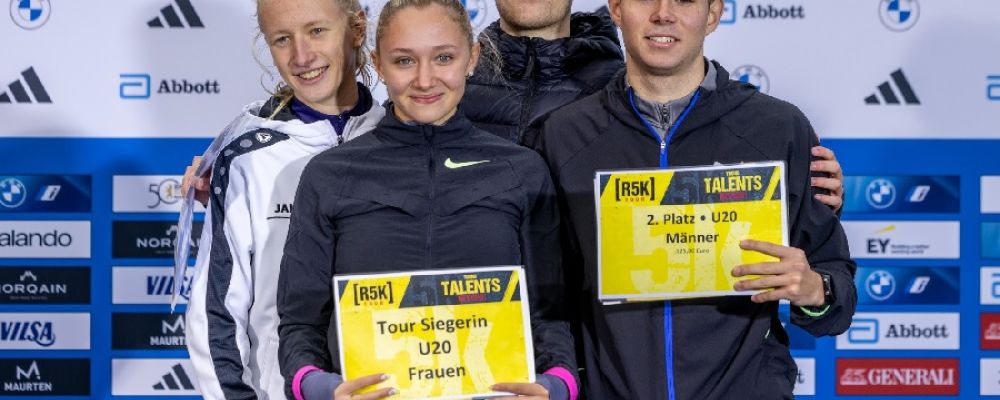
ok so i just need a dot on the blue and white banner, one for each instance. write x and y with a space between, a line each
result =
901 194
907 285
44 193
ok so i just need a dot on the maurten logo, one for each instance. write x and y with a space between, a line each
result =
12 193
888 95
20 93
168 15
30 14
453 165
753 75
176 379
899 15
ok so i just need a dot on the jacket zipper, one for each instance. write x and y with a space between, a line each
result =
429 135
530 72
668 328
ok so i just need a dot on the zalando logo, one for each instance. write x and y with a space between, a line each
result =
55 238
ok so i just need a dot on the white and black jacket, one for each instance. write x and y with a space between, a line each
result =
232 318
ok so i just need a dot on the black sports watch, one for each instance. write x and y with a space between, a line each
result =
828 297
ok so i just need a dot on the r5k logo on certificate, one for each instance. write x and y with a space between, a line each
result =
675 233
443 334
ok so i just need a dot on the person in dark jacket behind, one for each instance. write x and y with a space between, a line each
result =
672 107
540 57
424 190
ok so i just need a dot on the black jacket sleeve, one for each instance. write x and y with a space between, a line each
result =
540 237
817 231
305 298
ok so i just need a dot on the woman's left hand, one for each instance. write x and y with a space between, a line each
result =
522 391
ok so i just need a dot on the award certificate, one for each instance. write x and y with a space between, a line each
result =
675 233
441 334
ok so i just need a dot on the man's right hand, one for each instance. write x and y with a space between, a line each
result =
346 390
200 184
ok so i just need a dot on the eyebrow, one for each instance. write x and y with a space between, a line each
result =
308 25
435 48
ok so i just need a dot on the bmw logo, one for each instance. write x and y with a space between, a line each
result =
30 14
753 75
880 193
880 285
899 15
12 193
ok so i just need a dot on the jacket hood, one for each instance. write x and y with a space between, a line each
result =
592 37
711 106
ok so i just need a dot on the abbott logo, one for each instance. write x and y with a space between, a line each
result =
993 87
989 285
168 15
863 331
901 331
728 12
134 86
889 96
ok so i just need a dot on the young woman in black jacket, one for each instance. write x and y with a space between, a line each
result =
424 190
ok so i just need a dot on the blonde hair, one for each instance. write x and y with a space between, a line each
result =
351 8
454 7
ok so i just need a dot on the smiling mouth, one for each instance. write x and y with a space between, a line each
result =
662 39
426 99
312 74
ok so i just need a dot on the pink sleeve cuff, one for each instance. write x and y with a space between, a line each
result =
567 378
297 381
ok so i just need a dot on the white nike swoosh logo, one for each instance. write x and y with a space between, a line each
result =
452 165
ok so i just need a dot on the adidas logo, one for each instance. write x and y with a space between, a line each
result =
20 93
169 14
889 96
176 379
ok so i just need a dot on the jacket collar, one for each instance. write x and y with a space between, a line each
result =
712 104
391 128
592 37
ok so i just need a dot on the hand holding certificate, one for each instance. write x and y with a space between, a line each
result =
676 233
444 334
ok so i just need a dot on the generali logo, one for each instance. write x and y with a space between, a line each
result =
989 329
897 376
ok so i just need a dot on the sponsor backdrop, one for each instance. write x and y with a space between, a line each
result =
103 103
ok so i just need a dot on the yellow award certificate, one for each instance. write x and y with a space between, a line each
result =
675 233
441 334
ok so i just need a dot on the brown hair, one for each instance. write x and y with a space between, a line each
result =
454 7
350 8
